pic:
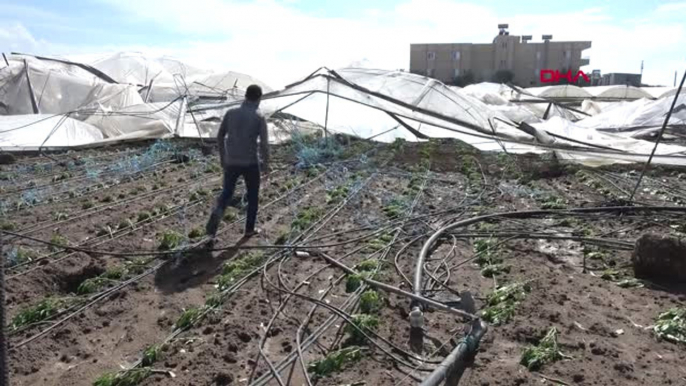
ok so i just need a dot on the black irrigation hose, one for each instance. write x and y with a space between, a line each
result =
327 217
100 208
4 363
93 300
417 284
103 294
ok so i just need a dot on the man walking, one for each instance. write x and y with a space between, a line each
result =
237 139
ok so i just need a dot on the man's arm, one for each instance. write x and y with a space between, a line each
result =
220 139
264 143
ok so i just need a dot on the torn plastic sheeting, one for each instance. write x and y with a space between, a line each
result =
638 114
59 89
436 109
559 91
145 119
19 131
617 92
574 131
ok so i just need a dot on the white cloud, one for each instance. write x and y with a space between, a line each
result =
279 43
671 7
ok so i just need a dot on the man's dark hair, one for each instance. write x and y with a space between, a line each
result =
253 93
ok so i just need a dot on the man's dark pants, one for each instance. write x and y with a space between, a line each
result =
251 175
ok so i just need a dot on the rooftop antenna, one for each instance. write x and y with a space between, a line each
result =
502 29
641 68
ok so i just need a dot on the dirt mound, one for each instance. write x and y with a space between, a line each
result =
660 257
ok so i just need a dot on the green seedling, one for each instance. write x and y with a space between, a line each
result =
170 240
334 362
230 215
214 301
107 199
370 302
91 285
312 172
124 378
193 197
196 233
306 217
104 231
58 240
87 205
501 303
188 318
394 209
671 325
150 355
7 226
20 255
493 270
366 324
136 266
38 313
337 195
60 216
61 177
554 203
115 273
238 269
121 196
126 223
631 282
380 242
143 216
283 237
611 275
547 351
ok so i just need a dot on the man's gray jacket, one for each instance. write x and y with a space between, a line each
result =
238 135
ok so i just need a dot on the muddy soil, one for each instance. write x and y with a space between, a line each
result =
382 209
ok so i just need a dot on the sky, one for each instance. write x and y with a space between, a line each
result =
283 41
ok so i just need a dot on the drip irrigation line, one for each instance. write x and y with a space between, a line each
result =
101 208
4 362
417 285
395 290
659 137
80 178
313 230
543 236
108 238
103 294
348 319
89 304
245 279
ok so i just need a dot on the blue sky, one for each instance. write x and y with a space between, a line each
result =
280 41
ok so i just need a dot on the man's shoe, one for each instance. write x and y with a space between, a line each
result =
249 234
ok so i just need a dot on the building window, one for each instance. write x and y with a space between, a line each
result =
430 72
568 55
538 55
431 56
456 55
457 72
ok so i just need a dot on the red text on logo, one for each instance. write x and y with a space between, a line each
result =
554 76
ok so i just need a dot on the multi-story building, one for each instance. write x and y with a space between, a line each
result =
508 58
617 78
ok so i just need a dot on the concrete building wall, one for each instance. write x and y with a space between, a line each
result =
507 52
613 79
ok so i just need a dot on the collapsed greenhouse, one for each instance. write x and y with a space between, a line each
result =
413 232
